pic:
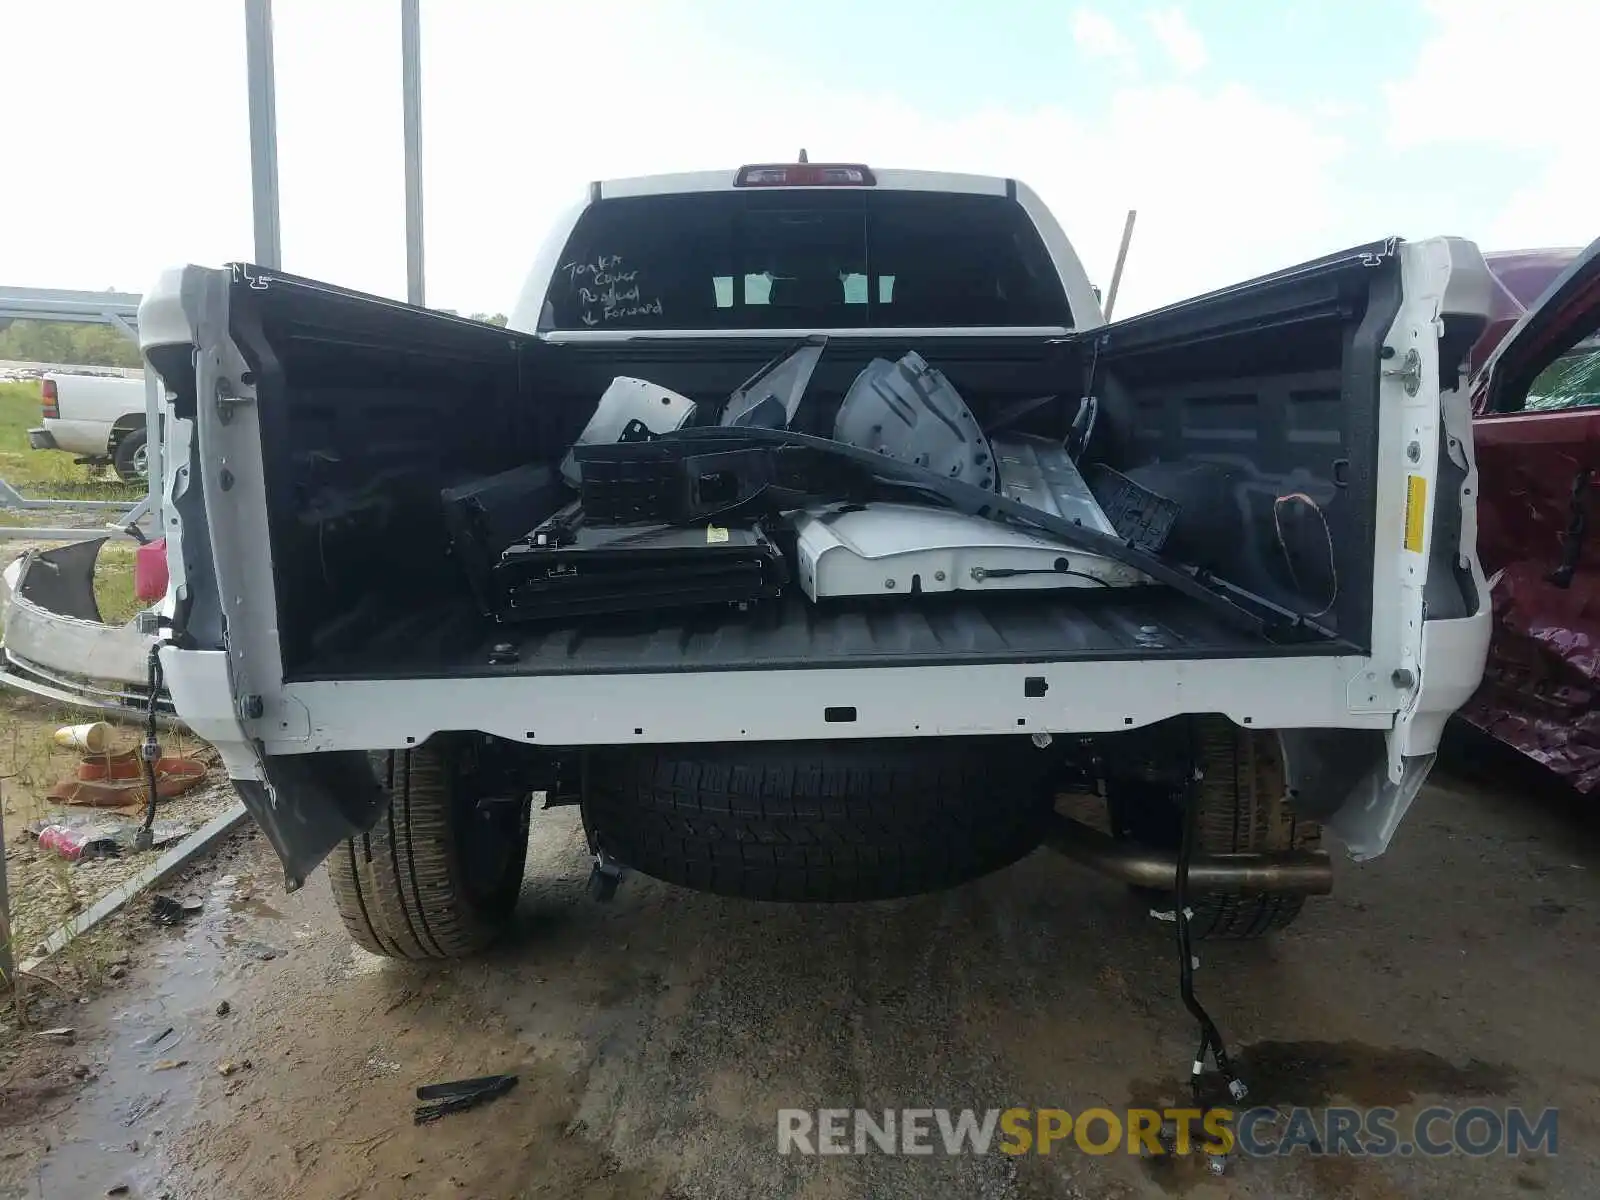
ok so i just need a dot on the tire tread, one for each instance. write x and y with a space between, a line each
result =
1246 810
399 887
819 822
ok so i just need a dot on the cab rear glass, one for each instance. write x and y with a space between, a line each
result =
804 259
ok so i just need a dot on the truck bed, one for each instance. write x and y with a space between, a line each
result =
452 640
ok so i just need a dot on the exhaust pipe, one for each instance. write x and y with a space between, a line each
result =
1307 872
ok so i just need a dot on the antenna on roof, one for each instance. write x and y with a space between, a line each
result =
1122 259
803 157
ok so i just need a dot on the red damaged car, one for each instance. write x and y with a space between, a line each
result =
1537 433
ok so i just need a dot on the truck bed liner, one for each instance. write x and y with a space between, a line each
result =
454 641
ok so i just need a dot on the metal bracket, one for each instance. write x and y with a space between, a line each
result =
1409 372
605 876
227 397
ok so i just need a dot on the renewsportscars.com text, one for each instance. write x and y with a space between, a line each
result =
1255 1132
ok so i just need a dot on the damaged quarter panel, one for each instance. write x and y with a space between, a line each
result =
1541 462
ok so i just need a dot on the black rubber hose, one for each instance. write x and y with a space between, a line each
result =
150 749
1210 1036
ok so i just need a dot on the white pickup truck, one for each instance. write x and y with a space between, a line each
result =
98 418
1280 656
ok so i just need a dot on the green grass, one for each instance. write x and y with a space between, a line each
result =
113 583
47 474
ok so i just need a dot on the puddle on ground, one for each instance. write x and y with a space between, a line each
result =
150 1049
1316 1075
249 906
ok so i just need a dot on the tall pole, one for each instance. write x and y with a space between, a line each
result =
1122 258
411 108
8 961
263 132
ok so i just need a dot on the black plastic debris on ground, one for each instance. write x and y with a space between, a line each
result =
460 1095
164 910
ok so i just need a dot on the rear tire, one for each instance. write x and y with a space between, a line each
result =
820 821
132 458
438 876
1243 809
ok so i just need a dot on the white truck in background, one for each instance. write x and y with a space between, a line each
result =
100 419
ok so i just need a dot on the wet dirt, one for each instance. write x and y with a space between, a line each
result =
1309 1074
1315 1075
657 1036
152 1048
1288 1076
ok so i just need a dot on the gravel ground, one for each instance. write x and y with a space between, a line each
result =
656 1036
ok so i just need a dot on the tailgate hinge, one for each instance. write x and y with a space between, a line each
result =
1409 372
228 396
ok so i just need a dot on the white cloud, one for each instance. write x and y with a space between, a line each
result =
1510 86
1509 74
1555 206
1181 41
1098 36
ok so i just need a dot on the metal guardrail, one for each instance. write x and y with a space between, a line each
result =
129 515
61 304
11 498
8 962
58 533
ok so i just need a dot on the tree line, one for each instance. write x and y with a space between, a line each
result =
68 342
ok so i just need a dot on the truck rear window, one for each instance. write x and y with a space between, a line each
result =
804 259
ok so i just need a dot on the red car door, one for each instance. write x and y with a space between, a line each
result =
1537 438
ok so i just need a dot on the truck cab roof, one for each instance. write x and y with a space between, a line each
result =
778 250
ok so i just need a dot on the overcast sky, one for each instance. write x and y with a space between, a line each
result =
1248 135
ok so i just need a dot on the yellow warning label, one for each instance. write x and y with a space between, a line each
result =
1416 509
715 534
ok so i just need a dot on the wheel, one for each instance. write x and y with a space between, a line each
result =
820 821
437 877
1243 809
132 458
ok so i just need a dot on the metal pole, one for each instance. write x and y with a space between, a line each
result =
1122 257
411 109
8 960
263 132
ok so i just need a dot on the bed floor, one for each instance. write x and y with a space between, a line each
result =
454 640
